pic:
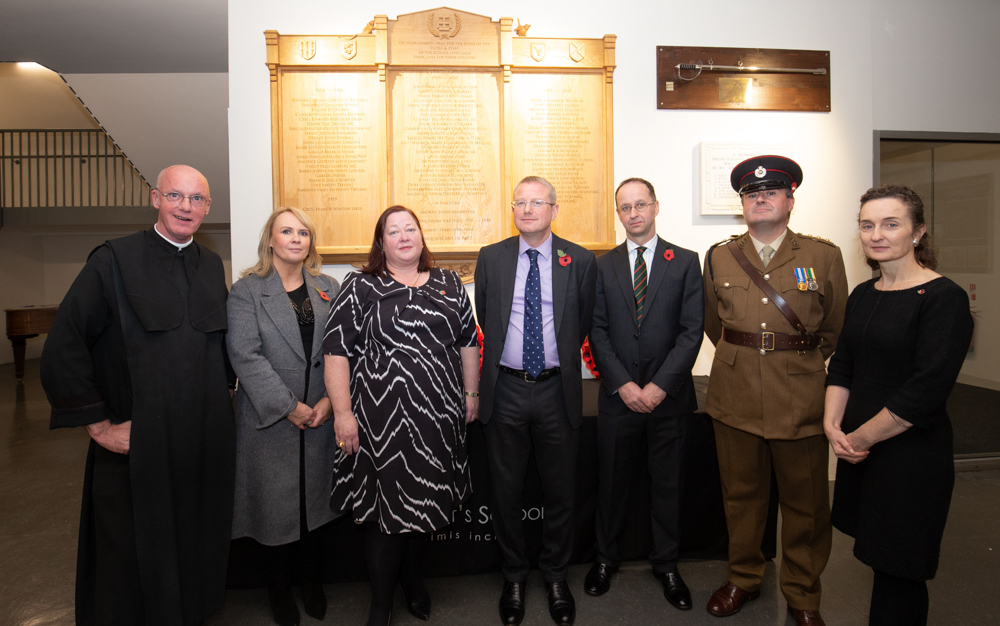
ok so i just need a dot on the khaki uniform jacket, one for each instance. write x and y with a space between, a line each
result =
780 394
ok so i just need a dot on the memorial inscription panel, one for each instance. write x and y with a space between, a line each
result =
446 154
561 130
442 111
330 132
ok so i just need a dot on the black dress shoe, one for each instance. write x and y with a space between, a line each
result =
512 603
562 607
598 580
418 601
283 605
674 590
314 599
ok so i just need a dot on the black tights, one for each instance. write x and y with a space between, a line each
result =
390 557
897 601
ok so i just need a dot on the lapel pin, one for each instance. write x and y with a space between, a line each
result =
669 254
564 259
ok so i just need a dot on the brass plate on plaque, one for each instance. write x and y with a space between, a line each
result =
723 89
442 111
736 90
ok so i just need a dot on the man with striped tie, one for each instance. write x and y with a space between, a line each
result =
646 334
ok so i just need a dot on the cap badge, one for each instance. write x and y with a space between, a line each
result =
760 172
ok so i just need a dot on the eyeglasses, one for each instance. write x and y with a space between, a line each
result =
640 207
535 204
197 200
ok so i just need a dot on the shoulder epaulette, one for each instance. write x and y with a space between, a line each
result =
819 239
708 255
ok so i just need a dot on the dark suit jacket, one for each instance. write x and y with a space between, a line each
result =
573 306
665 349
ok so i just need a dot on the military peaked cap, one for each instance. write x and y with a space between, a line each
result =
766 172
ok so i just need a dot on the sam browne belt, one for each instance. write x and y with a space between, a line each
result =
770 341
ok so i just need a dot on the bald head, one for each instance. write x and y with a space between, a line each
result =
186 170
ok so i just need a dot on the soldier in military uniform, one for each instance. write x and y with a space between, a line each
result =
774 307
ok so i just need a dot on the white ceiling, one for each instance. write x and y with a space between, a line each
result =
116 36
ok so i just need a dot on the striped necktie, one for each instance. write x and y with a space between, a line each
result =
639 283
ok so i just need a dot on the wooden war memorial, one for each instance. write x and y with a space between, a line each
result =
442 111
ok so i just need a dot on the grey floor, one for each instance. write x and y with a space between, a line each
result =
41 480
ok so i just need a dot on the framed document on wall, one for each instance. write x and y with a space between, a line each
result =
717 163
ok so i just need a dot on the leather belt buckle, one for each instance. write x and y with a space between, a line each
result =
764 336
526 377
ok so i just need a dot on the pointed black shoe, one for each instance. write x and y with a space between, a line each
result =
418 601
314 599
674 590
283 605
562 607
598 580
512 603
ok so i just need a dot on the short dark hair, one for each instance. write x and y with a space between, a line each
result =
649 186
376 265
925 251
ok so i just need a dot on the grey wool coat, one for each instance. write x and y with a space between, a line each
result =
265 348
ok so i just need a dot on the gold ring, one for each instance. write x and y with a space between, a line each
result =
340 444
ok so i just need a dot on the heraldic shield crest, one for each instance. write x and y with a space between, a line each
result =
577 51
444 24
307 49
348 49
537 51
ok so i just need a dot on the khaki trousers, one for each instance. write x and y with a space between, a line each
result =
803 494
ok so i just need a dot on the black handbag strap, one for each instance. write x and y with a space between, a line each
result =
767 288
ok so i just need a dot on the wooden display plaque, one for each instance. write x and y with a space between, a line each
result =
442 111
771 89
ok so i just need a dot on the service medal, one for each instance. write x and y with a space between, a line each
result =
800 278
811 275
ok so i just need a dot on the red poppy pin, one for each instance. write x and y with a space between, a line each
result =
322 294
564 259
669 255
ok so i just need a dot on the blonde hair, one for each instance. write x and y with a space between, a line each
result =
265 256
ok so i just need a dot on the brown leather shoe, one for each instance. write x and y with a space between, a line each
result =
806 618
729 599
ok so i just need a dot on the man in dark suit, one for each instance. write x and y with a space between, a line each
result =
648 320
534 302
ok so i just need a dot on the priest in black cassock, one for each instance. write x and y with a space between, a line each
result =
137 356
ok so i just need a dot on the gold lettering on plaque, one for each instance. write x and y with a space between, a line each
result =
537 51
307 49
444 26
577 51
736 90
349 49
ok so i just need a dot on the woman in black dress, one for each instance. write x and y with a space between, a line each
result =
905 337
402 370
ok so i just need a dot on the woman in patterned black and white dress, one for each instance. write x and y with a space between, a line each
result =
402 370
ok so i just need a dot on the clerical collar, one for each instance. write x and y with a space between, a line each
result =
179 246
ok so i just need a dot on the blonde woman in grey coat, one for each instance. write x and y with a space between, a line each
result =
284 449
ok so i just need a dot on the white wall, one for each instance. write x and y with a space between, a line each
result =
870 42
935 65
659 145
